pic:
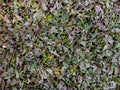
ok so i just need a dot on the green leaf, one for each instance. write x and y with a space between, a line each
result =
34 64
87 26
118 45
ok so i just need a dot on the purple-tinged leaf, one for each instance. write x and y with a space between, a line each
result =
1 69
117 10
101 26
98 9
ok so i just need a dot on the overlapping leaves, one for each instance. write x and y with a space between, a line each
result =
72 45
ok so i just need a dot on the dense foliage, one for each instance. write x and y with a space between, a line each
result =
60 45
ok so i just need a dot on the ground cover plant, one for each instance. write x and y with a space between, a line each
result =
60 45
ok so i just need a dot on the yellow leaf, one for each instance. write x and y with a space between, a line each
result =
48 18
57 71
54 81
50 57
73 70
